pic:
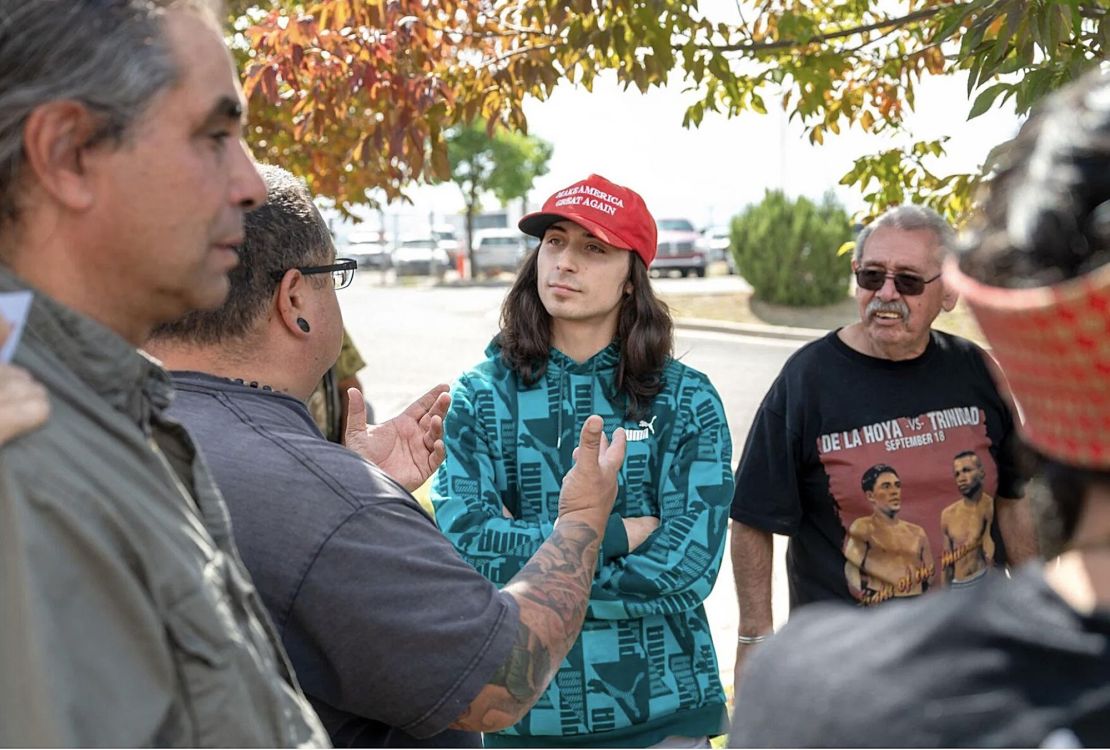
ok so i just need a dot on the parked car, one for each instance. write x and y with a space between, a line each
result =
716 242
448 239
679 249
369 250
497 250
422 256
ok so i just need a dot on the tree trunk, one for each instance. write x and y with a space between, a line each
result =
471 208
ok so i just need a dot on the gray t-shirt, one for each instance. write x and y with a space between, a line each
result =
387 627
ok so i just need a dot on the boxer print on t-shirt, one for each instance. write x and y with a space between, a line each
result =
916 498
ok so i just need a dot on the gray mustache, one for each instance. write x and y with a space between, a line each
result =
894 306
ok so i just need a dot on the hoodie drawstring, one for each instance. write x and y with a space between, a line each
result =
559 428
593 390
595 385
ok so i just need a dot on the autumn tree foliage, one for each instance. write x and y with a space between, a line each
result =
354 97
505 164
357 94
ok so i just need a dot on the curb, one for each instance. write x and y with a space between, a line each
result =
750 329
762 330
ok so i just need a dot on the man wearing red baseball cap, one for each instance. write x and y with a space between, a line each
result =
582 333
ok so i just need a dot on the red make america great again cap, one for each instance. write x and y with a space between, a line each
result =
611 212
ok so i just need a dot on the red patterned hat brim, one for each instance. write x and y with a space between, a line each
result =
1053 343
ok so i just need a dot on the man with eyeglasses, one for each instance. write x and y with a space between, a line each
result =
885 390
395 639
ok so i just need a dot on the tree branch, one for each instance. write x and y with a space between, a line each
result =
510 31
888 23
516 53
743 21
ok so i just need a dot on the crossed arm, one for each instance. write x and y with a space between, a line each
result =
553 588
640 573
551 592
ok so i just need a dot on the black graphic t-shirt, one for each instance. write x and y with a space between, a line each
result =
884 474
1009 664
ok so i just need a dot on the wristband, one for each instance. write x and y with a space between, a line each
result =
749 640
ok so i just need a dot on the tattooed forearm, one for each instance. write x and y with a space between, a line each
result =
557 582
522 674
552 592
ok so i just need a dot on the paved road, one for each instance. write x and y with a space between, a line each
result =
415 336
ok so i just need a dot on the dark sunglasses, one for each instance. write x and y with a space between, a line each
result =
342 272
907 284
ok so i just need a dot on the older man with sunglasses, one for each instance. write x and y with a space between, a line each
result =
885 390
1025 661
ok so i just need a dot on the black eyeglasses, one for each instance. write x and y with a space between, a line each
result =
907 284
342 272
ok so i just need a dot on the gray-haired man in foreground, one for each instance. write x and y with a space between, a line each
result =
127 616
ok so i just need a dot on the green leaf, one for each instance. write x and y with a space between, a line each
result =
986 98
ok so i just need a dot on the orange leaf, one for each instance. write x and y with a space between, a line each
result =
269 84
934 60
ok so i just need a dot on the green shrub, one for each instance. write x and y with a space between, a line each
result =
787 250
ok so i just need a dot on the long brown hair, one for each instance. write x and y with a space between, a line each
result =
645 334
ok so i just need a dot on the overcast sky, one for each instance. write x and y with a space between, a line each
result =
710 173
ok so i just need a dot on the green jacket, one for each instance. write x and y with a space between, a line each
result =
644 666
126 616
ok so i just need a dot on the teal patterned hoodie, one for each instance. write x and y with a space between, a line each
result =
644 666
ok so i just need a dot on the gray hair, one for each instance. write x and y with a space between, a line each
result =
111 56
910 218
285 232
